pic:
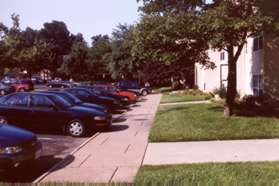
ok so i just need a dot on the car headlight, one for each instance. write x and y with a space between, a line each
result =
10 150
99 118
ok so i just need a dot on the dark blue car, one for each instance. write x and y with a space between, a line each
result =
16 146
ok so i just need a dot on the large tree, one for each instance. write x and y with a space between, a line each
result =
122 64
59 40
75 64
224 25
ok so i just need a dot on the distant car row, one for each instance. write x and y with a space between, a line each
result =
75 111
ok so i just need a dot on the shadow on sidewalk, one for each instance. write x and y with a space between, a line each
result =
31 170
116 128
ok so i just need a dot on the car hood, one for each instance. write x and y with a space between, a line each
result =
12 136
86 110
98 107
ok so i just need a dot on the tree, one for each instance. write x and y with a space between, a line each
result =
59 40
98 52
75 64
122 63
229 23
224 25
168 38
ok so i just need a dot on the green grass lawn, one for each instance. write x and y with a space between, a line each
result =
182 98
264 173
206 122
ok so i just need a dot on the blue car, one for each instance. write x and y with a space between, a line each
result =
17 146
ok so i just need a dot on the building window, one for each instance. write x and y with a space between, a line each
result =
222 56
258 43
257 85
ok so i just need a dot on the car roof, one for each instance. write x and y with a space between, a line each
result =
33 93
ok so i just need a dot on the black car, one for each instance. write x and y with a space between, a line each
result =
47 111
90 97
104 92
57 84
37 80
133 86
76 101
6 89
17 146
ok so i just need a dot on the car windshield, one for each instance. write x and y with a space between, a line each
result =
64 103
73 98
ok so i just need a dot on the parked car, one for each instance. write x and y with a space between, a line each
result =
17 146
6 89
9 80
76 101
134 87
90 97
46 111
103 92
25 85
59 84
114 90
37 80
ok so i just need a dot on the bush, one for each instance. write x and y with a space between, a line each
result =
221 92
251 100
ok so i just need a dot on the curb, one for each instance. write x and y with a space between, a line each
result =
39 179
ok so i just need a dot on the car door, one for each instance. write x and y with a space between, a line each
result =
17 110
45 115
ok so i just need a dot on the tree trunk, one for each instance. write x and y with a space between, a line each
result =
231 89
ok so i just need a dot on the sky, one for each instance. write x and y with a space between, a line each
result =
89 17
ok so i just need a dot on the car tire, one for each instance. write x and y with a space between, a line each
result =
144 93
21 90
2 93
3 120
75 128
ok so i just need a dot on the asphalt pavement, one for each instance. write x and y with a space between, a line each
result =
55 148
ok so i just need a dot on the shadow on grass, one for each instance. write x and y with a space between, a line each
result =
250 111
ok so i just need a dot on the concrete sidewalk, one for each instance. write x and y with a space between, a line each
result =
113 156
212 151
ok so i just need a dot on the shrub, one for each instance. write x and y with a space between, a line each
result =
221 92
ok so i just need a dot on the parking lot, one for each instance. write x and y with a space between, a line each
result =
57 145
55 148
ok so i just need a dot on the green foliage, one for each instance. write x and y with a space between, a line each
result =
75 64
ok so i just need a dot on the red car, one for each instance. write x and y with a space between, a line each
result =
23 86
130 95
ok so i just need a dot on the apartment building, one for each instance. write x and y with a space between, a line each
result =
257 69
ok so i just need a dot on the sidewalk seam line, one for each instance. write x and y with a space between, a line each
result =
87 157
43 176
113 174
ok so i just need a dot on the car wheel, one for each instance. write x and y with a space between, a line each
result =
3 120
2 92
144 93
21 90
76 128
